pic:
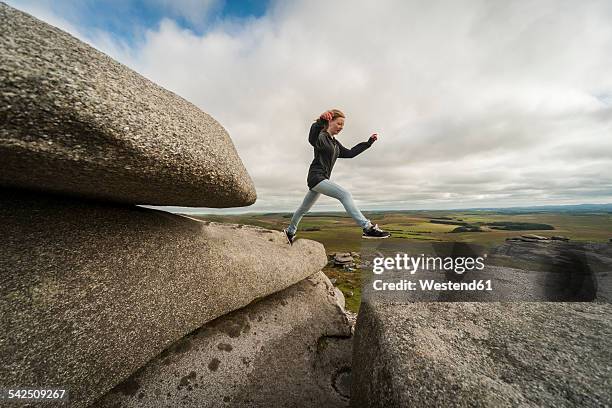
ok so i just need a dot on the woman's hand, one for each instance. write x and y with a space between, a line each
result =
373 138
328 115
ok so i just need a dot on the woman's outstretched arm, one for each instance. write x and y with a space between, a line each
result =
355 150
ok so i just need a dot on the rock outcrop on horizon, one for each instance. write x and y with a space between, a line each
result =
74 121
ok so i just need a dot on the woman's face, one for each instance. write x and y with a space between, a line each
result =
335 126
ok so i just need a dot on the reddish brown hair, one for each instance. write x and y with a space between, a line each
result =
336 113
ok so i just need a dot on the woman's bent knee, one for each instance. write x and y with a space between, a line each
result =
345 195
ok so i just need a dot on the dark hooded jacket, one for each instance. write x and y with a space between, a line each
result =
326 150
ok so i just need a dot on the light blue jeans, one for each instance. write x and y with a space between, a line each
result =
331 189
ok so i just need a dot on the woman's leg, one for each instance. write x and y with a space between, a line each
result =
309 200
329 188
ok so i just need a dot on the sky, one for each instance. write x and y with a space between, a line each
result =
476 103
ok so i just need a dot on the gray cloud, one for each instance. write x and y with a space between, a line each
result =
477 103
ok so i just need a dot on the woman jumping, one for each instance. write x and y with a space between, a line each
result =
327 149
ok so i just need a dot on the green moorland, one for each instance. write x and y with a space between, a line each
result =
338 233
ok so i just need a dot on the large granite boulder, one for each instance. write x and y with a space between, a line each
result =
89 292
291 349
74 121
482 355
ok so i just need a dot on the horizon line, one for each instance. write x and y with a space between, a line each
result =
534 207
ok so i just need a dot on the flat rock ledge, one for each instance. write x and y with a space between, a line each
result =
89 292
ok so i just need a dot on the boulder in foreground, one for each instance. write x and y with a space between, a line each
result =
482 355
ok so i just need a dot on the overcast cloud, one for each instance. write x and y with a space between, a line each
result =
477 103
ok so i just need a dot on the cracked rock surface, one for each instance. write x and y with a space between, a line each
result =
291 349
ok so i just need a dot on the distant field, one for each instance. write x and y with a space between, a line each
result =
338 232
